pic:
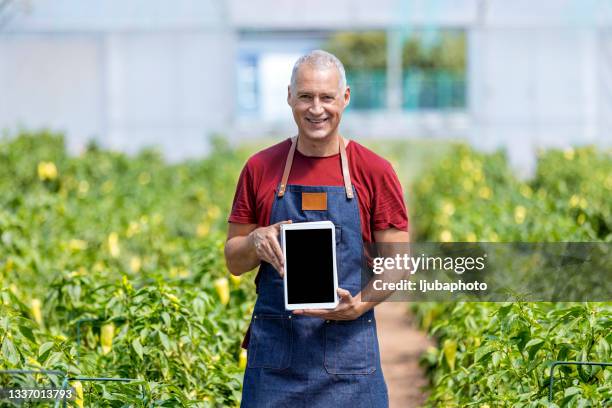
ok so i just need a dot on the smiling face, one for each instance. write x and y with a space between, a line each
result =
317 102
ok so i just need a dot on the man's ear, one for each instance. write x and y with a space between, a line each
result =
289 95
347 96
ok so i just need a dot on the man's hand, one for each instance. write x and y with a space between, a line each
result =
349 308
267 247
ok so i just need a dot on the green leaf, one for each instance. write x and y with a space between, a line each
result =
44 348
27 333
137 347
533 346
521 339
503 311
164 340
144 333
533 342
166 318
54 358
9 351
482 353
603 348
572 391
495 358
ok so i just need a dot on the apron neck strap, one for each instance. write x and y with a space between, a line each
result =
345 170
288 163
346 175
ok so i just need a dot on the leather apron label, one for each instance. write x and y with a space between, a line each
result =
314 201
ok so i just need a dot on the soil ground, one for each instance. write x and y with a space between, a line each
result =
400 347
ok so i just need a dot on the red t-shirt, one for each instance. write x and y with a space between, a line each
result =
379 192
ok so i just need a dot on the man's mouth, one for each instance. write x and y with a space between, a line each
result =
316 121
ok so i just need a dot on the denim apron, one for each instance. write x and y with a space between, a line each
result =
301 361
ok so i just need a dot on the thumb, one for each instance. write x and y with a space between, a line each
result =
343 293
278 224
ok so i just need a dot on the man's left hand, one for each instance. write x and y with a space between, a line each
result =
349 308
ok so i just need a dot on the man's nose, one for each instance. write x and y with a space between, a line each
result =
316 107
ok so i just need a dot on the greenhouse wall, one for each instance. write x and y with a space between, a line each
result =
137 73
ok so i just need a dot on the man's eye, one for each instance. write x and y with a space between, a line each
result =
305 97
328 98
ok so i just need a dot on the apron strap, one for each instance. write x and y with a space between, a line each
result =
288 163
345 170
346 175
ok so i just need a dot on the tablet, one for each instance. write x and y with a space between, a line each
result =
311 279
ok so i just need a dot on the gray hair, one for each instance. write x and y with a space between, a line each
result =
322 60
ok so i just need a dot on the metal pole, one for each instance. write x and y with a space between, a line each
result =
556 363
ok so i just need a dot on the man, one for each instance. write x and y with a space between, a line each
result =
314 358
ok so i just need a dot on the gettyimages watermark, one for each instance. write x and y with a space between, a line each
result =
488 272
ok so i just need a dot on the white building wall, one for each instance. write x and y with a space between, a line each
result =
120 15
349 14
533 88
169 89
140 72
52 81
604 86
128 74
535 78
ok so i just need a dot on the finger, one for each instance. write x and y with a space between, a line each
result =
265 252
269 257
261 247
259 251
278 253
274 262
281 271
272 259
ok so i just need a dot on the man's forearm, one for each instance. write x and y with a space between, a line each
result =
240 255
391 242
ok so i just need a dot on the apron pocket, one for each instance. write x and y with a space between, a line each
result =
271 342
350 347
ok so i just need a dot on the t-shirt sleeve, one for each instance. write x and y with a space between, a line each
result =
243 207
388 204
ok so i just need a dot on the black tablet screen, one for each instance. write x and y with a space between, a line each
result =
310 273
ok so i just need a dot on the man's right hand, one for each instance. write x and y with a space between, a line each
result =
267 247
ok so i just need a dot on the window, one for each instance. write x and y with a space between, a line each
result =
248 95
